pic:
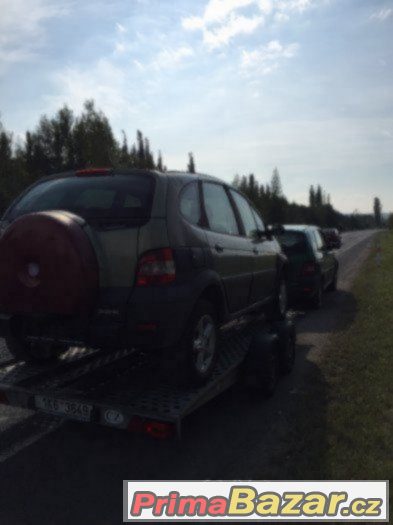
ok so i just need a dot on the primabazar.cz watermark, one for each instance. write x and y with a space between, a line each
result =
274 501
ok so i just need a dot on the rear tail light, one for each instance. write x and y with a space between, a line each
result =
309 268
156 268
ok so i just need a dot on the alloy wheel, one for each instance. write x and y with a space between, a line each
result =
204 343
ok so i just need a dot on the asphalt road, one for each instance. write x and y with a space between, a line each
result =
70 473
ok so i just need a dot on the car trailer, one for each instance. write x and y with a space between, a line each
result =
121 389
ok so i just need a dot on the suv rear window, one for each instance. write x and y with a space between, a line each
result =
95 197
292 243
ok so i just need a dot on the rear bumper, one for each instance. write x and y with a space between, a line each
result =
303 288
158 326
153 318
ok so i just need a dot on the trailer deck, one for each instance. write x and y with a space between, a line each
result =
120 389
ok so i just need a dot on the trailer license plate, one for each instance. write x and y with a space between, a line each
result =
62 407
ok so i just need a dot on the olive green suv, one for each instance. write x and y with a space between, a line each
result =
134 258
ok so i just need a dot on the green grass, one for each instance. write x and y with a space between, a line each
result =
344 422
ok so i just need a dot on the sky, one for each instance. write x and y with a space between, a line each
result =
247 85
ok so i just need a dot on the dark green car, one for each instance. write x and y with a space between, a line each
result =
312 268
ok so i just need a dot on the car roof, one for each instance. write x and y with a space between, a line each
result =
189 176
172 174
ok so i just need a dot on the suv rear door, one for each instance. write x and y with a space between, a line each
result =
326 258
232 254
264 251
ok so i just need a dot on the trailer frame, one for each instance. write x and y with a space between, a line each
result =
121 389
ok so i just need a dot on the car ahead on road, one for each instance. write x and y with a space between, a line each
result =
332 238
134 259
312 267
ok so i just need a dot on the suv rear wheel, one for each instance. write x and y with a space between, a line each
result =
196 354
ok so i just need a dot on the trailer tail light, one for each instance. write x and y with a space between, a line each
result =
156 267
160 429
143 328
89 172
155 429
309 268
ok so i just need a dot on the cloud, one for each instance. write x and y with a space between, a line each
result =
236 25
120 28
221 21
382 14
215 11
281 17
294 5
104 82
22 31
266 59
172 57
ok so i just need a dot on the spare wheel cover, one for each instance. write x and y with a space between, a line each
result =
47 266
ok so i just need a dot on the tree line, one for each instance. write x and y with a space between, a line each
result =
66 142
276 209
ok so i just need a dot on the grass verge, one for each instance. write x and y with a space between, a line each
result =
344 423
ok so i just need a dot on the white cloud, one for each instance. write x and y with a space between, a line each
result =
382 14
266 6
217 10
104 82
236 25
120 48
281 17
266 59
172 57
221 21
294 5
22 30
120 28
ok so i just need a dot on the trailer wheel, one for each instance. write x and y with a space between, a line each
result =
194 358
286 332
261 365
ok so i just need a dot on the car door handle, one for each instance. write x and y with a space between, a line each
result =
219 248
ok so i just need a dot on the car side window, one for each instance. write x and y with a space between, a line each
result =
313 240
258 220
318 239
245 212
189 203
219 211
